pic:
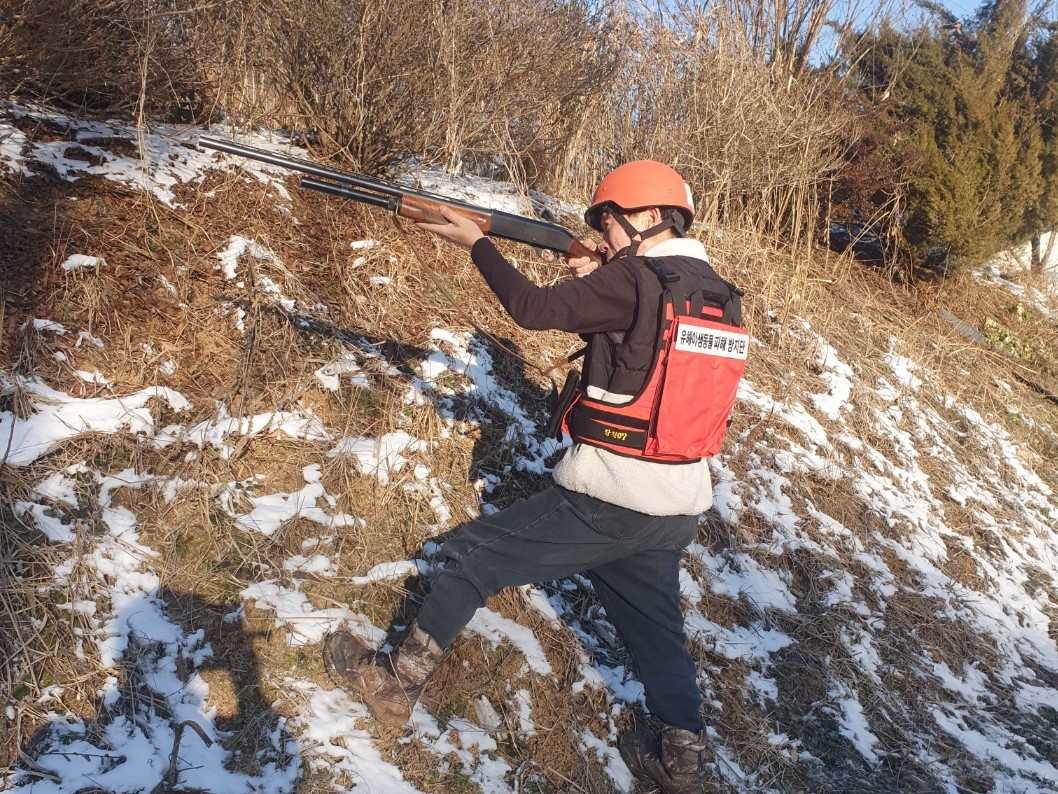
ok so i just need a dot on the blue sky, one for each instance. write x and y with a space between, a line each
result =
961 8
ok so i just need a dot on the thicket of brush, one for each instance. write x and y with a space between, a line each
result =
549 93
928 132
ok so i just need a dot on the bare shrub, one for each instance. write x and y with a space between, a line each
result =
109 56
463 83
786 34
755 148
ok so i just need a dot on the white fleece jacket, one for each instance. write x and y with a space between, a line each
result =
658 489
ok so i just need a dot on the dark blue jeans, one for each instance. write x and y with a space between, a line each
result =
632 559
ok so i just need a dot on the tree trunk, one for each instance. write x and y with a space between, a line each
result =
1036 265
1047 260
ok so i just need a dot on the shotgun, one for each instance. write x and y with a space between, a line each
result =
415 205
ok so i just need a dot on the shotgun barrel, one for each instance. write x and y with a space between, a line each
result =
416 205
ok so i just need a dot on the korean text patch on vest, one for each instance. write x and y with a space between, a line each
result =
703 368
713 342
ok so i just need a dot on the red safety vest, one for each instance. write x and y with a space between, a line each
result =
682 411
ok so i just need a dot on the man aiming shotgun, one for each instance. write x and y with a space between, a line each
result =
665 353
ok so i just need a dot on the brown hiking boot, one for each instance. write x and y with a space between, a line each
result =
388 684
679 767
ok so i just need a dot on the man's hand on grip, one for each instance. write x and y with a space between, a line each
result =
459 229
580 266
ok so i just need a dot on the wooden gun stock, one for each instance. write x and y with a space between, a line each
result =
424 210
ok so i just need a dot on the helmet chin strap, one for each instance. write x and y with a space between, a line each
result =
670 220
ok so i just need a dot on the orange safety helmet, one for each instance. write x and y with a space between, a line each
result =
639 184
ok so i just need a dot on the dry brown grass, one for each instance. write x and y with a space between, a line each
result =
206 561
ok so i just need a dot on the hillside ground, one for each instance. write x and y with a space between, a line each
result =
237 415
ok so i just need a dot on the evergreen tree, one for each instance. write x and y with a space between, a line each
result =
966 94
1043 86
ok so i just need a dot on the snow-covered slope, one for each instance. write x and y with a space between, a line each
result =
874 600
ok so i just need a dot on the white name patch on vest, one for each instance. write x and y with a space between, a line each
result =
711 341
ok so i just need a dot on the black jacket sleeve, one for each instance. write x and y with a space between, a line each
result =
604 300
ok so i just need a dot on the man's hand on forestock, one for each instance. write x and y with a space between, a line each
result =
459 229
580 266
